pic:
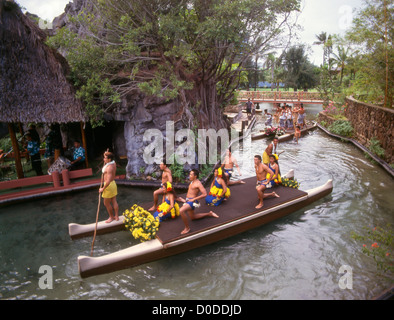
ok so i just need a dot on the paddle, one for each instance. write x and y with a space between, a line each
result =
97 214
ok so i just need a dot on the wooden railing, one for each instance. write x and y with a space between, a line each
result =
280 96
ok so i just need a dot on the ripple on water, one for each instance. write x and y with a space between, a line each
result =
296 257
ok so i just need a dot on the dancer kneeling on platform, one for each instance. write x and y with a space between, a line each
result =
191 201
168 208
263 174
219 190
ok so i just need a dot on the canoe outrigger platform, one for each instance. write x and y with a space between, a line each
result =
236 215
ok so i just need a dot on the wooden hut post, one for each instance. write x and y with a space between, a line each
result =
84 144
15 147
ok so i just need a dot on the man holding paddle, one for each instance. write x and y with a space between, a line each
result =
109 190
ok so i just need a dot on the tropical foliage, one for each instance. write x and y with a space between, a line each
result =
361 64
342 128
300 73
192 51
378 244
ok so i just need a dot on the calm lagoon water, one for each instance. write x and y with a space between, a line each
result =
296 257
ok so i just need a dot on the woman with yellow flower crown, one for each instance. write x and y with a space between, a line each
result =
274 166
219 189
168 208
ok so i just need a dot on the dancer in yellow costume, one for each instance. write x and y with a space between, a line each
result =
274 166
218 191
168 208
109 190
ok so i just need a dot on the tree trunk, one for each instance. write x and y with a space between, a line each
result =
203 103
15 147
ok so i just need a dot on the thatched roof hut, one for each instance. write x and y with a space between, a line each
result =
33 83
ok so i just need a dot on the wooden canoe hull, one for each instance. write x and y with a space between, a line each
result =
77 231
154 249
285 137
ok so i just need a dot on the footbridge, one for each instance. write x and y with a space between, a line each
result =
296 97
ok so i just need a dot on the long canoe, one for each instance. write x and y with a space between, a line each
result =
289 135
236 215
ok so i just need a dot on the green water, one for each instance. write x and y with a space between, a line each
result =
296 257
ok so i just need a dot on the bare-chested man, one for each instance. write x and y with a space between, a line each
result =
263 182
109 190
191 201
166 176
228 167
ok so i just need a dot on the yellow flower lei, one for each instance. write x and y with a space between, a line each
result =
140 223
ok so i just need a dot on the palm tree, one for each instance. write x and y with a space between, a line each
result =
270 63
341 59
326 42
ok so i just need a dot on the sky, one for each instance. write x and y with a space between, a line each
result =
331 16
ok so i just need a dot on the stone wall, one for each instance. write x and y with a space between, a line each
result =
328 120
139 114
371 121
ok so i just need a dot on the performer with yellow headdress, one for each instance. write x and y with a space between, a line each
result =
219 190
274 166
168 208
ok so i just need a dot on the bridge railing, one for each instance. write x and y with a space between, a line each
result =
279 96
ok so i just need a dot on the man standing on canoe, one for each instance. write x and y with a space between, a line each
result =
166 176
191 202
109 190
263 180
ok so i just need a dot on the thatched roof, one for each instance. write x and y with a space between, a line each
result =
33 83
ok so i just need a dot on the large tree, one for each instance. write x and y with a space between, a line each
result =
299 72
372 35
174 49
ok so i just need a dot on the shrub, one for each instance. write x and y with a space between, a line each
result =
342 128
378 244
374 146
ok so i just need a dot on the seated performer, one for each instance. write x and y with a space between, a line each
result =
165 177
274 166
168 208
218 190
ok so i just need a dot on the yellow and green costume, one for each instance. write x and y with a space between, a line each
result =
215 196
163 211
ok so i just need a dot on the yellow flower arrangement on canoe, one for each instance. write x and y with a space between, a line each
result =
291 183
140 223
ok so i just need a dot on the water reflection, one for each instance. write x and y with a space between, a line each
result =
296 257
